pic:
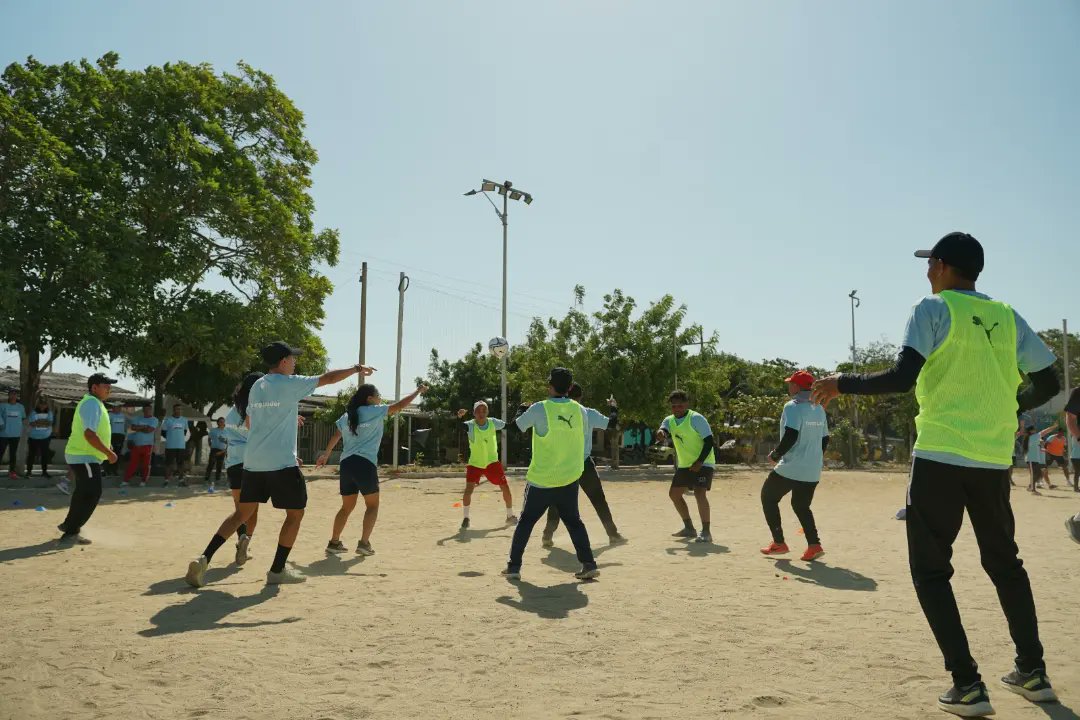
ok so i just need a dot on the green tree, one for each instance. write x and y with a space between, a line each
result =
62 230
1053 339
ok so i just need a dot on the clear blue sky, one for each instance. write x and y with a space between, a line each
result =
756 160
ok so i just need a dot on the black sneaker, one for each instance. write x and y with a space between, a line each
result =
686 532
588 571
970 701
1033 686
465 523
336 546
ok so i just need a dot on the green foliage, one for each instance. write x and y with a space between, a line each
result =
128 195
845 439
1053 338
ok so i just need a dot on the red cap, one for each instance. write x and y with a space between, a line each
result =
801 378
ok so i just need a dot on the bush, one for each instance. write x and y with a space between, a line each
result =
844 437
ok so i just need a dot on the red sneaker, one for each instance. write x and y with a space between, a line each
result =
812 553
13 475
775 549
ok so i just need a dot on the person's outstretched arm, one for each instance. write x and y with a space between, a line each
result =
335 376
407 400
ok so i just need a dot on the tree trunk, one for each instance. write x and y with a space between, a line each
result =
29 375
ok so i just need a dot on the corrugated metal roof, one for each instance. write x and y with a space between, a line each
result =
67 387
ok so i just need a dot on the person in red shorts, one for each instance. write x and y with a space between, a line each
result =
484 460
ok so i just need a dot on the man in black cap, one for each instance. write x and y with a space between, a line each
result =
271 468
87 447
965 354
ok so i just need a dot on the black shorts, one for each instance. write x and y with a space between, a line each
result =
118 443
1076 464
286 489
235 473
1058 460
358 476
687 478
175 458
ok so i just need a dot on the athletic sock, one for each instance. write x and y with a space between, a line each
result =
241 531
466 509
280 557
215 542
688 524
509 511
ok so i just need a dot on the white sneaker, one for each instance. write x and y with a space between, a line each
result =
511 520
242 555
63 487
142 484
123 483
288 576
196 571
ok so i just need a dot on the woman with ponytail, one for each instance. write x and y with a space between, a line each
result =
361 429
236 433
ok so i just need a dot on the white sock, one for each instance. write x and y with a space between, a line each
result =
509 511
466 509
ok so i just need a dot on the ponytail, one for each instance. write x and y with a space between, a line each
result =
358 400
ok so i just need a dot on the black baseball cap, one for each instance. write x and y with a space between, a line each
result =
958 249
99 379
277 351
560 378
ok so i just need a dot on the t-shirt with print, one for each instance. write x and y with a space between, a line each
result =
12 415
371 421
804 460
273 404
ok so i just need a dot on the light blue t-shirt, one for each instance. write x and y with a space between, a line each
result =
217 438
536 418
804 460
371 421
13 415
928 327
174 429
698 424
41 433
273 405
1035 452
236 435
140 439
1075 454
90 412
594 420
118 421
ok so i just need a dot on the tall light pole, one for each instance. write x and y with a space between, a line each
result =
508 192
855 302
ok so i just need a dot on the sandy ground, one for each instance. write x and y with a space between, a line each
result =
428 629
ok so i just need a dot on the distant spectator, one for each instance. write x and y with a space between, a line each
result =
142 446
175 430
13 417
118 422
217 451
41 425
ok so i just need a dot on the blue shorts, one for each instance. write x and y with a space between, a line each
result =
358 476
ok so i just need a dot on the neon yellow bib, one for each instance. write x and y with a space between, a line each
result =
77 444
967 388
483 445
688 443
558 458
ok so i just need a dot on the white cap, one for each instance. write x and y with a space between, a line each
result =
478 403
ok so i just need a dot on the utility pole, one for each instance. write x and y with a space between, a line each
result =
403 285
1068 384
508 192
855 302
363 312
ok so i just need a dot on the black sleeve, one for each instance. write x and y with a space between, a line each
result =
613 419
1044 385
706 448
791 436
899 378
824 443
1073 406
